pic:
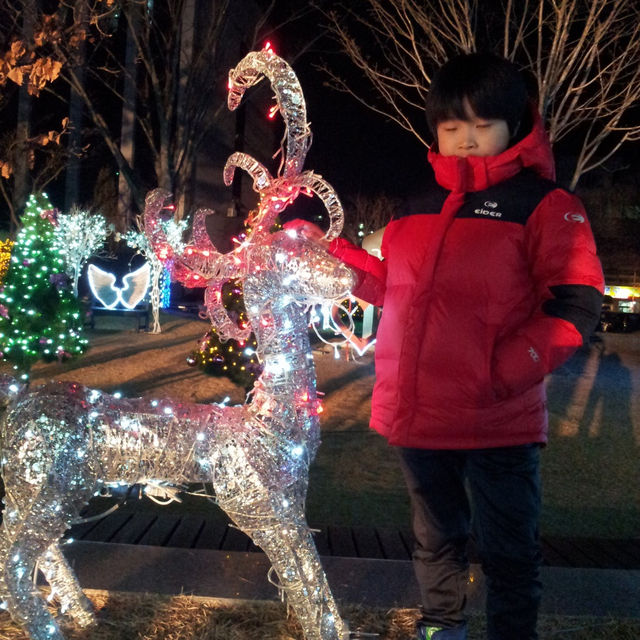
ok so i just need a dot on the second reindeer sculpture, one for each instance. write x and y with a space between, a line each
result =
62 442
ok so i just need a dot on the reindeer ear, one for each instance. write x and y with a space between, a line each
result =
101 284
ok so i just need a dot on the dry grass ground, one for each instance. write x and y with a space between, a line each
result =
147 617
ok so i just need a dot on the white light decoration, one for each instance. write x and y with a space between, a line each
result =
329 320
257 455
139 241
78 234
102 285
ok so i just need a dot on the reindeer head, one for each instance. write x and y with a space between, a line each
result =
300 271
287 270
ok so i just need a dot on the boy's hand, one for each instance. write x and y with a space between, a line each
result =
307 231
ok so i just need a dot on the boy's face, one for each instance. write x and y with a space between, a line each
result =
473 136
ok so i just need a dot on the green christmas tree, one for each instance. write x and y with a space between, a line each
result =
40 317
235 360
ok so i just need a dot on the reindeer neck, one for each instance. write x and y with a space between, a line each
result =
281 332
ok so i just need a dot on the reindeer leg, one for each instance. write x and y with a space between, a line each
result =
33 534
4 552
283 534
65 587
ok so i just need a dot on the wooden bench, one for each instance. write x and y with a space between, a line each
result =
140 313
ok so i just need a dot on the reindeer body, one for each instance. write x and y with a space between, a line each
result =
62 442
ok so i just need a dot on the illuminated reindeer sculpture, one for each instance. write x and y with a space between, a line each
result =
63 442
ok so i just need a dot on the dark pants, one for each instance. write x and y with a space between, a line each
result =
497 492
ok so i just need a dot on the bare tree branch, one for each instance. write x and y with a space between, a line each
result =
177 102
585 57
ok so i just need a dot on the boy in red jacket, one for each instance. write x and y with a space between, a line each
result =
461 392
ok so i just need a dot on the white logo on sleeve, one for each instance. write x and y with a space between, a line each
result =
571 216
534 354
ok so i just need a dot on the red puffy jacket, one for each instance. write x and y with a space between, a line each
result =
495 284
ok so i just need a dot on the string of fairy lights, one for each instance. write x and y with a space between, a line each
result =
63 442
77 236
5 257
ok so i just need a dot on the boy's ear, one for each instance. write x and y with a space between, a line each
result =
516 130
432 140
525 124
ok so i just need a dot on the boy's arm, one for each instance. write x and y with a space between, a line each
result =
370 271
569 285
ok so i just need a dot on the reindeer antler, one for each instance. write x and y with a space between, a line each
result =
275 193
278 193
195 264
316 183
289 99
260 174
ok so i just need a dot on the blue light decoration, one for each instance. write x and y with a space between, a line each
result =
165 289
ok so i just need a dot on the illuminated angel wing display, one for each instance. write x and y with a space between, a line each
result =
135 287
101 283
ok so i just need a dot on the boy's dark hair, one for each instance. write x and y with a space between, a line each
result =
493 86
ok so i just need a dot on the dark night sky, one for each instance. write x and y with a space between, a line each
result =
359 149
354 148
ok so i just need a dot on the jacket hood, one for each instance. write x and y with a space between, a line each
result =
475 173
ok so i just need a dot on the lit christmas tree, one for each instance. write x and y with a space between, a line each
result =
41 318
235 360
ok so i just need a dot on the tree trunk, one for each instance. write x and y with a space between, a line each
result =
127 133
76 111
186 58
21 160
